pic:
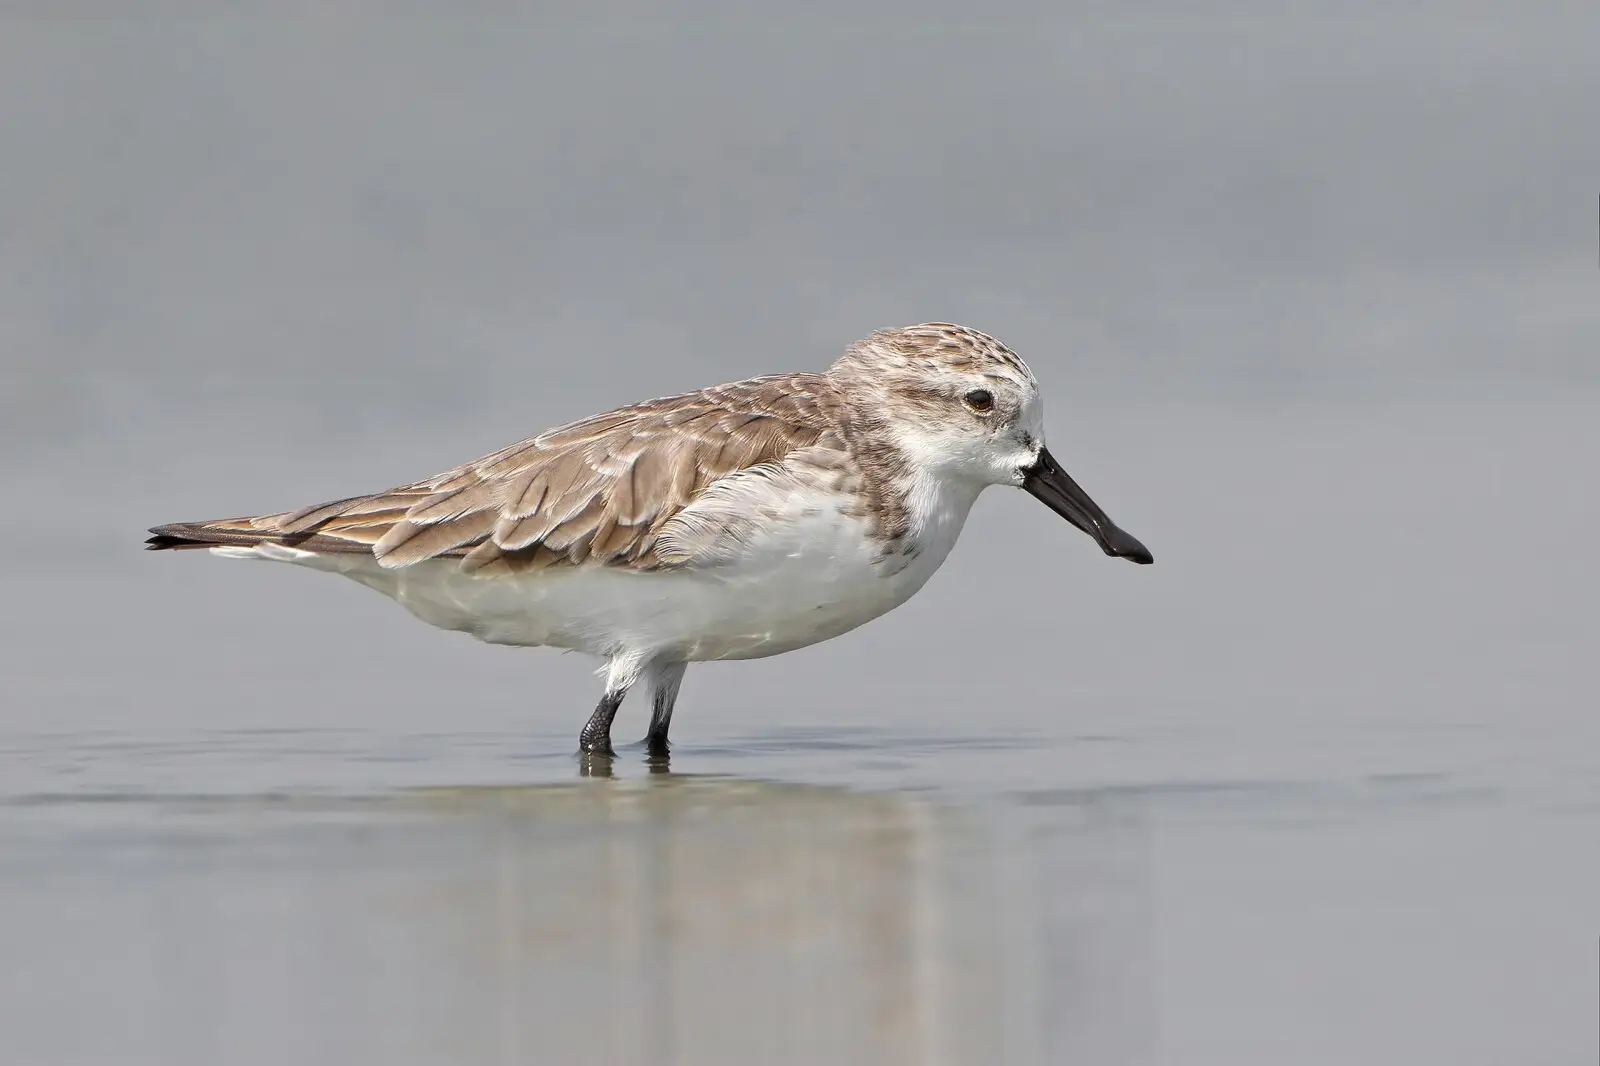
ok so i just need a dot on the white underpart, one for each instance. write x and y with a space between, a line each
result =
802 572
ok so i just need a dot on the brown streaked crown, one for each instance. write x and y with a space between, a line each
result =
931 345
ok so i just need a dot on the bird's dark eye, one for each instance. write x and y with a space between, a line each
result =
980 400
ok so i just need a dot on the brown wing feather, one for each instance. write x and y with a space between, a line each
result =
596 491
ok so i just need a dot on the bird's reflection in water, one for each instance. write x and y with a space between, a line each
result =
703 920
598 764
648 918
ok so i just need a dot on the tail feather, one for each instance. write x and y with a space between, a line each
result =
179 535
241 533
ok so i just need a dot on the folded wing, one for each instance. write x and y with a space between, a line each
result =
595 492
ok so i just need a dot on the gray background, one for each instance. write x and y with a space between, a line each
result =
1313 296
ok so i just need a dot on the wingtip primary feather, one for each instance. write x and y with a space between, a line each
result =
172 536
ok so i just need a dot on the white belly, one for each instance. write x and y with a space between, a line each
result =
801 581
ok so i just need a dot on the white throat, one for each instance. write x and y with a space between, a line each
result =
937 508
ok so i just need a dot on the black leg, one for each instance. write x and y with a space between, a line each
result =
655 741
665 697
596 736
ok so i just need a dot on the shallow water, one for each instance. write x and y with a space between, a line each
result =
849 896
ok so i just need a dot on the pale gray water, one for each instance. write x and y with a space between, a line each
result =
1313 299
